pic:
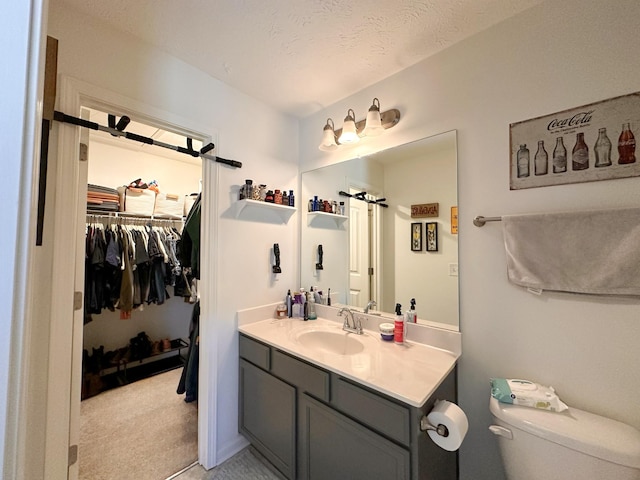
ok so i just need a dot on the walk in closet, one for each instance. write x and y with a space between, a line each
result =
140 299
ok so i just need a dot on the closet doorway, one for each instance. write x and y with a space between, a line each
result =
141 309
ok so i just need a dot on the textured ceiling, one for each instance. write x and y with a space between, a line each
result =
301 55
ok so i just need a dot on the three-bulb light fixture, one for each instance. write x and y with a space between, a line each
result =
351 132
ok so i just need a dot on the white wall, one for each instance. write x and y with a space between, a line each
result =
120 63
421 275
555 56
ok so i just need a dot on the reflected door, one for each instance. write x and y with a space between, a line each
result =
359 253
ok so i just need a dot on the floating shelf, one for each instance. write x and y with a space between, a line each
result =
284 211
318 217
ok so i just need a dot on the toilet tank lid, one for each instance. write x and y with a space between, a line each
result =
585 432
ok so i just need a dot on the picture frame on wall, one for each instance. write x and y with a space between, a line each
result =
416 237
583 144
432 236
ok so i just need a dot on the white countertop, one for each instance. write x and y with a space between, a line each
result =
409 372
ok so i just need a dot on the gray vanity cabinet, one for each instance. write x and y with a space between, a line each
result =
334 446
312 424
267 416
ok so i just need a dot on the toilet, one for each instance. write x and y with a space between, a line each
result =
542 445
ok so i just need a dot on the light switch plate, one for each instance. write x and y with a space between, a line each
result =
453 269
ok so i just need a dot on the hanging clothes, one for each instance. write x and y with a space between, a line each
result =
127 266
188 383
190 244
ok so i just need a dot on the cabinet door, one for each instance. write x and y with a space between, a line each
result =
267 416
333 446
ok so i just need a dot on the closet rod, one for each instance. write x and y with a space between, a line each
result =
64 118
130 216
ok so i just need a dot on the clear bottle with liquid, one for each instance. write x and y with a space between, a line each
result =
559 157
541 160
522 159
602 149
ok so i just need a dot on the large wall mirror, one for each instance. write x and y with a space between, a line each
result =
381 253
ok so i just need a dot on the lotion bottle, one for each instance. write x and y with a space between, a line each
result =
412 316
399 326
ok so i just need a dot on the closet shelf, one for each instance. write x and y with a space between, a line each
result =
321 217
284 211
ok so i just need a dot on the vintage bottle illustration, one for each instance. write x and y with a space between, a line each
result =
580 154
626 145
541 160
523 161
559 157
602 149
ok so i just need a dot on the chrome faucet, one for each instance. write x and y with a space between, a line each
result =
356 322
371 303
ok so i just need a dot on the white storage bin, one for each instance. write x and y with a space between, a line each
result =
137 201
189 200
169 204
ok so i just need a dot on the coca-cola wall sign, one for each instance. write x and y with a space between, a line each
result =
584 144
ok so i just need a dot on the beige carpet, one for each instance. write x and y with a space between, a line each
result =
141 431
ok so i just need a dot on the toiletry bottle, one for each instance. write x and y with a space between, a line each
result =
292 199
285 198
412 316
289 303
329 296
398 326
305 307
311 309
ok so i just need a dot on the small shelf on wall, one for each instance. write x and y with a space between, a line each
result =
284 211
321 218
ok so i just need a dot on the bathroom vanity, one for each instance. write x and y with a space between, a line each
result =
320 403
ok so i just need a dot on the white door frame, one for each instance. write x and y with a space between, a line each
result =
67 243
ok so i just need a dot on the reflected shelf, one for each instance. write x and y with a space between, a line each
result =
317 217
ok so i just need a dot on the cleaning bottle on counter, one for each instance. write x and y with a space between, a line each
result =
329 296
305 306
412 316
399 325
311 310
288 301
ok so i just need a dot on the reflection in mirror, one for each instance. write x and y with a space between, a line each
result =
368 254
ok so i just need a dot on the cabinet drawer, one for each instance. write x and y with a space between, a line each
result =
383 415
255 352
305 377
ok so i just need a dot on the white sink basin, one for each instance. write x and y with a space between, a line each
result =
338 343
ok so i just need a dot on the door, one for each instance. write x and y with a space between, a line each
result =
359 252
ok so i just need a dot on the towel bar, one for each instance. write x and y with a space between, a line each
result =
479 221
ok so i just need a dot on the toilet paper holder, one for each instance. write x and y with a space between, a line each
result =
440 429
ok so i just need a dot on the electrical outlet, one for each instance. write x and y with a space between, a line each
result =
453 269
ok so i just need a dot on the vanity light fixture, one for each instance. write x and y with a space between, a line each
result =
328 143
351 132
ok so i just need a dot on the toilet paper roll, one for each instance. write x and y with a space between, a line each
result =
451 416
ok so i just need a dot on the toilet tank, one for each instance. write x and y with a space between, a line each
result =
542 445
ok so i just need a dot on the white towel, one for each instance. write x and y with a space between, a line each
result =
594 252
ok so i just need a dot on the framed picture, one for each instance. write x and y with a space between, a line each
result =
584 144
416 237
454 220
432 237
